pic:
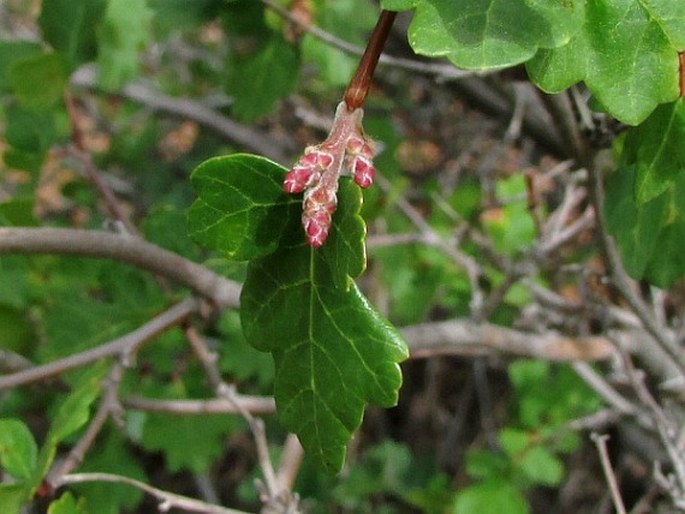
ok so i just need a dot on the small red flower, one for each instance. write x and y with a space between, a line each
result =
346 151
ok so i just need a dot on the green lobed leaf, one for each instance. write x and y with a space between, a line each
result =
481 34
242 210
626 51
124 30
18 450
656 149
333 352
69 26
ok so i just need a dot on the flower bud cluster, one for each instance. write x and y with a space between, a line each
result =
346 151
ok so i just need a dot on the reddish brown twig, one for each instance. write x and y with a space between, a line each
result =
358 88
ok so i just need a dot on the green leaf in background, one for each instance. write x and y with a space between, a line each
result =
482 34
491 497
650 236
257 81
188 442
333 352
18 450
67 504
111 455
171 15
511 226
39 82
69 26
541 467
30 130
123 32
656 148
12 53
348 19
70 415
13 497
242 210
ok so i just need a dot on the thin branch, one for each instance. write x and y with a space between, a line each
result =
81 153
464 337
131 250
272 493
125 347
561 109
243 135
442 71
608 393
600 443
167 500
207 358
291 459
240 403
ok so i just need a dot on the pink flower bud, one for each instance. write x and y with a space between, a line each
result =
363 171
299 178
316 226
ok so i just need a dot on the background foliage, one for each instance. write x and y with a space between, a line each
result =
525 239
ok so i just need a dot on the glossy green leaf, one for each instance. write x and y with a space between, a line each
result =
333 352
345 251
242 210
656 149
556 69
633 55
625 50
650 236
121 35
69 26
481 34
259 80
18 450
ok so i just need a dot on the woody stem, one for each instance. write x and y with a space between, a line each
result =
358 88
